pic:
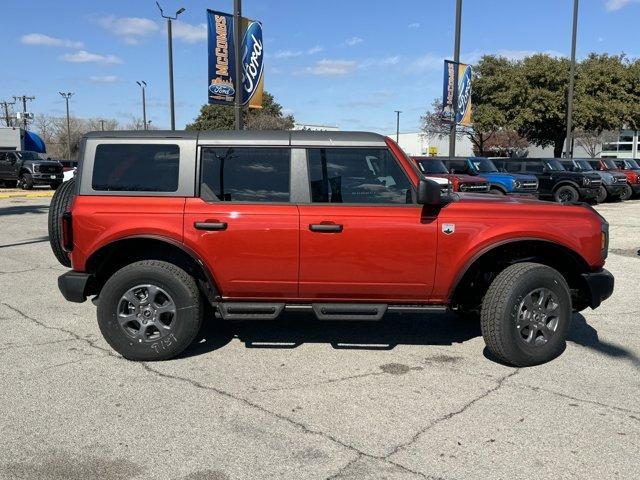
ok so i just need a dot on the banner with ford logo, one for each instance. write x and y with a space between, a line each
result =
462 93
222 82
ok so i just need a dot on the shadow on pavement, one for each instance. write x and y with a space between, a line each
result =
293 330
42 239
23 209
584 334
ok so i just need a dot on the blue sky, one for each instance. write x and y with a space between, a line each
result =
349 63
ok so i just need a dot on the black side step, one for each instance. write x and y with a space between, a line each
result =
250 310
349 311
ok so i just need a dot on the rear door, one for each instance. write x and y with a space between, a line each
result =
244 224
362 237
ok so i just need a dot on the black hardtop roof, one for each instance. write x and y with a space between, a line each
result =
252 137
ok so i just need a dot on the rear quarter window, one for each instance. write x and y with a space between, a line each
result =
136 168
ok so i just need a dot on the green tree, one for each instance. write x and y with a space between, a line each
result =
222 117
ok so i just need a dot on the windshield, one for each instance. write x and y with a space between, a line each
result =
633 164
28 155
484 165
553 165
583 166
611 165
432 166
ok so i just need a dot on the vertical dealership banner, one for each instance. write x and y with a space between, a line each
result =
462 92
222 81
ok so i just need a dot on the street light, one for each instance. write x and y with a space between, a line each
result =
572 73
456 63
398 112
66 97
143 86
170 40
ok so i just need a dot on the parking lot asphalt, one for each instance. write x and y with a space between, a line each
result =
411 397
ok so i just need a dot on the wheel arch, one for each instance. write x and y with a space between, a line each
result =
120 252
498 186
481 268
565 183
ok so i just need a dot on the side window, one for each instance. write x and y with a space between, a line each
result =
513 167
129 167
535 167
231 174
460 166
357 175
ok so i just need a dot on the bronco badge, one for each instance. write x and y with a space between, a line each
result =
448 228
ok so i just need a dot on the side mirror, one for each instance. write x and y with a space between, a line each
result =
429 193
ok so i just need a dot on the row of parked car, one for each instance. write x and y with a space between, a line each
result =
594 180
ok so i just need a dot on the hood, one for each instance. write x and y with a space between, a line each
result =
521 176
501 199
467 178
439 178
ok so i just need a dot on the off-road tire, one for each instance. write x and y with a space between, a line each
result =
55 185
568 190
25 181
602 195
500 309
182 289
627 193
60 203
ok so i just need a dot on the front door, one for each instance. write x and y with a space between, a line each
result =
4 166
362 237
243 225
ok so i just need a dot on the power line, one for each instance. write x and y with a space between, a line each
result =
24 99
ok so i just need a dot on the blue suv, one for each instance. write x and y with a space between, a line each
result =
501 183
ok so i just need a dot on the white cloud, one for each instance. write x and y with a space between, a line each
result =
353 41
287 54
612 5
190 33
381 62
46 40
332 68
103 79
83 56
314 50
428 61
414 25
130 29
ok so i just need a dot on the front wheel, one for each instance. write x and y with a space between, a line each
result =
566 194
150 310
25 181
602 194
627 193
526 314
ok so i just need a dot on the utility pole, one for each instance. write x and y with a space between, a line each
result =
237 40
143 86
398 112
572 73
170 45
456 60
24 100
102 125
66 97
7 117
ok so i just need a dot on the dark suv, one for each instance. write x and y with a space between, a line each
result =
26 169
613 186
555 182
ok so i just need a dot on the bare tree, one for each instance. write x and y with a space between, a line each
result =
591 142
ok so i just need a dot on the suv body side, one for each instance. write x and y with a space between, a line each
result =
499 182
299 250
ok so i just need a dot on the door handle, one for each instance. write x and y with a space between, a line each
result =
210 226
325 227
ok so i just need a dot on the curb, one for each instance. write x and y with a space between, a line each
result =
27 195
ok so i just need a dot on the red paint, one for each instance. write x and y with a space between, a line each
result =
633 178
454 178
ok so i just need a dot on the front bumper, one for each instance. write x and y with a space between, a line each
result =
615 190
599 286
47 177
588 193
636 188
73 285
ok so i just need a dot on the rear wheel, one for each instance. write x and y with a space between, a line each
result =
602 194
627 193
150 310
526 314
25 181
566 194
60 203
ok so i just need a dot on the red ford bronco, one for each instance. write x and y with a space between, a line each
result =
434 169
340 224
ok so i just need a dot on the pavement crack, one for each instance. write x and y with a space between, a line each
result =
450 415
345 467
71 362
303 427
317 384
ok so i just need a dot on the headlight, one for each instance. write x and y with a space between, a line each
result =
586 181
517 184
36 167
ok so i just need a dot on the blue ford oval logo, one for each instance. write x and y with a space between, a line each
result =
252 60
464 94
222 89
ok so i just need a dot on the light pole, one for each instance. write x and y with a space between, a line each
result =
398 112
456 60
143 86
102 124
572 73
170 43
24 100
237 40
66 97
